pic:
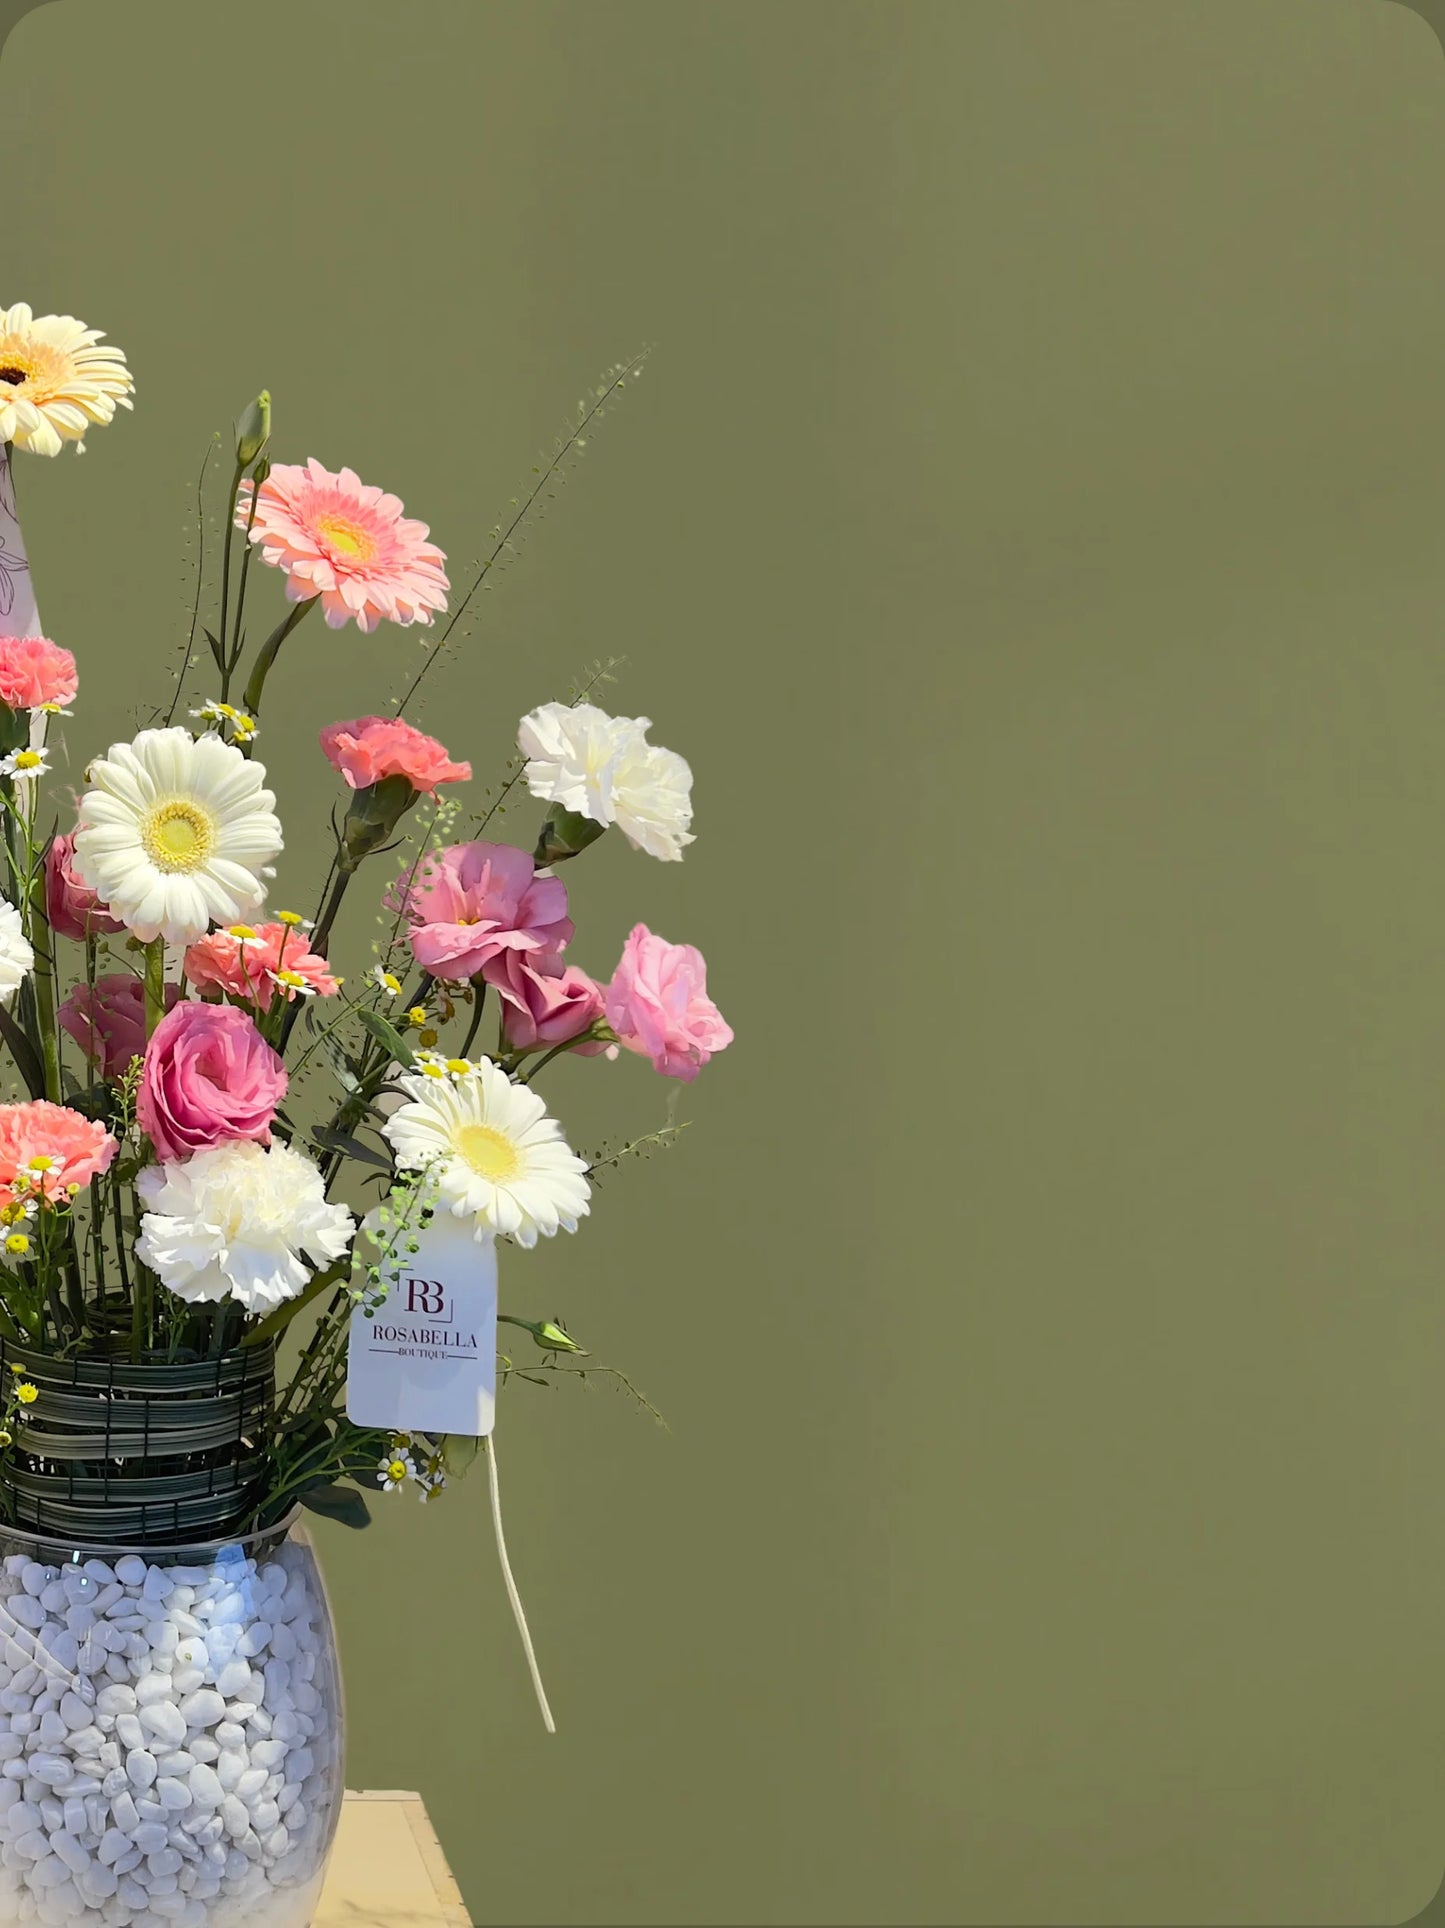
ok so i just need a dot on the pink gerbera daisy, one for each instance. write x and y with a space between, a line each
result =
346 543
47 1148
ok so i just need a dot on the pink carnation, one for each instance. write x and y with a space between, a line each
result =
477 901
209 1078
49 1148
246 967
657 1003
347 543
33 671
542 1007
109 1022
72 907
374 747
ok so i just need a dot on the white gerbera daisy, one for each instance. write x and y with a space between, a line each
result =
17 960
177 834
603 767
239 1222
492 1153
55 380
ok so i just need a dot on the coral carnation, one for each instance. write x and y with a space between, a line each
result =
349 544
48 1148
248 967
374 747
33 671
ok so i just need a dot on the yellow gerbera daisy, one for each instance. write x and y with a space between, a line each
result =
55 380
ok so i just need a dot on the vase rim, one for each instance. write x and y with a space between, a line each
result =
173 1551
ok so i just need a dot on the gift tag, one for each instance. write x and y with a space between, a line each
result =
426 1360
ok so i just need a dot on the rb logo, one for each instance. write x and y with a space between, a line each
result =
426 1295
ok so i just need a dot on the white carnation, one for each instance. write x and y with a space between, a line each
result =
239 1222
17 960
603 767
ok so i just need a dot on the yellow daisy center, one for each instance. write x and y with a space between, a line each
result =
178 835
397 1470
28 759
489 1154
342 534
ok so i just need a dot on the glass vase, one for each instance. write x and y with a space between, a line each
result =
171 1732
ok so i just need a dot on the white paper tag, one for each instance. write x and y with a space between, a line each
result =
426 1361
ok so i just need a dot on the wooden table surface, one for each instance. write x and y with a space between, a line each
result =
388 1870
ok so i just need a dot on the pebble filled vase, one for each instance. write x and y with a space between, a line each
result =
171 1733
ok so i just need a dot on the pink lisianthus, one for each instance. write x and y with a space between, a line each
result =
34 671
248 967
477 901
71 907
109 1021
375 747
349 544
542 1007
209 1078
46 1148
658 1005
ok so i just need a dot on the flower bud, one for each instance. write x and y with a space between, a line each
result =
565 834
371 817
253 429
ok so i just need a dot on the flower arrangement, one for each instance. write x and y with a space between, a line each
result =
162 1198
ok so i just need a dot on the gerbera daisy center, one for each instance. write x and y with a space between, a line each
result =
489 1154
10 373
344 535
178 835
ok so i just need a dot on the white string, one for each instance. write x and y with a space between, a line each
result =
518 1615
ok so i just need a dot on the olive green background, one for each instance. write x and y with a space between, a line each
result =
1030 528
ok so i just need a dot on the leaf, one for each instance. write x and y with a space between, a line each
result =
388 1037
344 1504
328 1140
215 646
458 1452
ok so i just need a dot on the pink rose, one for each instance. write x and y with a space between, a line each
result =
375 747
109 1023
477 901
71 907
541 1008
210 1077
33 671
657 1003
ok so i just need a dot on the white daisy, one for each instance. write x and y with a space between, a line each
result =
384 980
393 1472
24 763
492 1152
17 960
603 767
239 1222
177 834
55 379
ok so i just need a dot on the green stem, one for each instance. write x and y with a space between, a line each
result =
270 649
555 1052
44 977
321 936
223 663
479 991
155 983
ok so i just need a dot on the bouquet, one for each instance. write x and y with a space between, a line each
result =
166 1210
